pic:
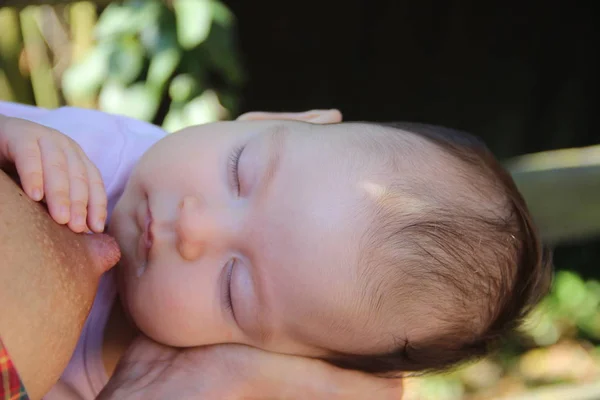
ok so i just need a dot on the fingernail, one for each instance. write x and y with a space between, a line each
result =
99 225
36 194
65 211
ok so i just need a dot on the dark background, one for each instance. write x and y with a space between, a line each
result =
521 75
524 76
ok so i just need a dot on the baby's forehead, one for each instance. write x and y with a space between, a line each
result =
343 206
383 158
380 142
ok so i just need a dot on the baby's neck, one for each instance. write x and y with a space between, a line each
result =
118 335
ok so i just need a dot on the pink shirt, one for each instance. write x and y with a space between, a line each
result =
114 144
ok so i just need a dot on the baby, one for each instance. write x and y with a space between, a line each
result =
381 248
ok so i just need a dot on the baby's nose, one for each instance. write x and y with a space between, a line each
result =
200 225
189 228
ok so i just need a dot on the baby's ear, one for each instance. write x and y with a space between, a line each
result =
313 116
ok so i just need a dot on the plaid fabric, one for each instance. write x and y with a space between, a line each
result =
11 387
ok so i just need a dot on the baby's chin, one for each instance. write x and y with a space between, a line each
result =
167 337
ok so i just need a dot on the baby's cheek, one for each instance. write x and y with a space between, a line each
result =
170 314
228 335
156 312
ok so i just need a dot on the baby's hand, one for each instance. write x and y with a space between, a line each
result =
52 166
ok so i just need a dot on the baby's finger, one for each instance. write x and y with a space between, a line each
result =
97 207
56 178
29 167
78 189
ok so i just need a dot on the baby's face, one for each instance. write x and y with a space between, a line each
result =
265 254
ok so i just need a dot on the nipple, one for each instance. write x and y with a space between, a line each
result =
103 250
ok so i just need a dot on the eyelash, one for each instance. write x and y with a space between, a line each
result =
228 301
234 161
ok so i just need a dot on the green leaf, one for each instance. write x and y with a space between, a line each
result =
157 38
221 14
182 88
201 110
127 18
126 61
194 18
540 326
115 20
162 66
137 101
570 290
229 101
83 80
175 119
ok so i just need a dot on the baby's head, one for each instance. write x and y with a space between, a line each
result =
375 247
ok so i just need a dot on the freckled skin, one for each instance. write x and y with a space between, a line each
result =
48 279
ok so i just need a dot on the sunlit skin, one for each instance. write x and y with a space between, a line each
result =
74 194
46 270
280 238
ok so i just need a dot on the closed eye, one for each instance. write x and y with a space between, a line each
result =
233 169
227 292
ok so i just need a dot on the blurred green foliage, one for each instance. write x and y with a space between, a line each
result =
572 309
172 63
177 65
559 343
149 56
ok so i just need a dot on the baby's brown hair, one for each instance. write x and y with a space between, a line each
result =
474 258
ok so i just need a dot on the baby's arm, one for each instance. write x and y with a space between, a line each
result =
53 167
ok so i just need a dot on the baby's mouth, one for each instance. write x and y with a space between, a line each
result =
146 241
148 238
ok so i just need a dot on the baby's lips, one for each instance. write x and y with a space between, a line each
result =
104 251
